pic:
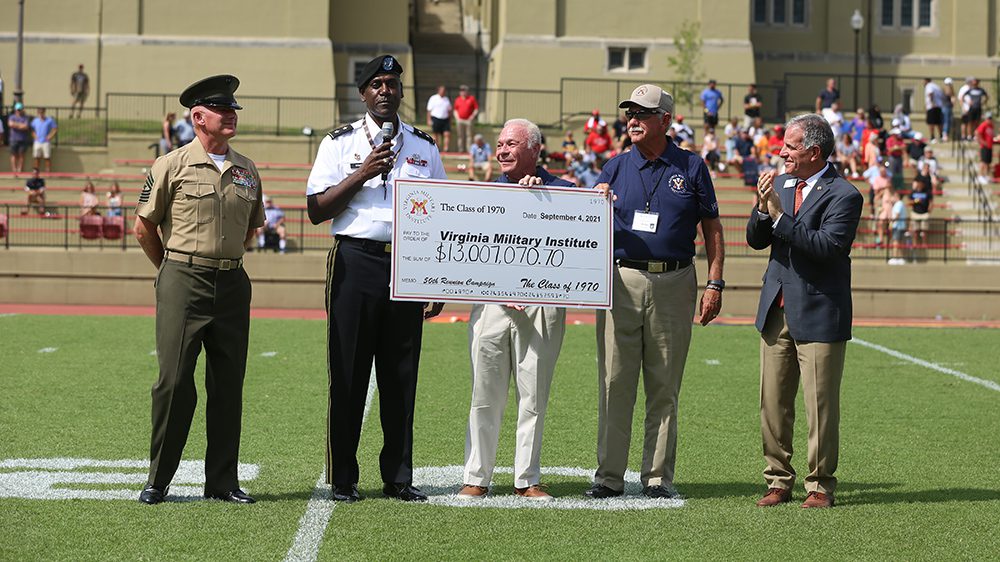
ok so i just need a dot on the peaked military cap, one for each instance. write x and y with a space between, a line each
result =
215 91
382 64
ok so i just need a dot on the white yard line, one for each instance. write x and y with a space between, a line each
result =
313 524
933 366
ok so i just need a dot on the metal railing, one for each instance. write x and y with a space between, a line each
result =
271 115
801 89
89 129
946 240
580 96
981 200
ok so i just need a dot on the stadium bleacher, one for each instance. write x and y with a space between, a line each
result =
285 183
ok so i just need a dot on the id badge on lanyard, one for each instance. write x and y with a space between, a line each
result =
645 221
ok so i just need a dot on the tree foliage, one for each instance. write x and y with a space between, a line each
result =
686 63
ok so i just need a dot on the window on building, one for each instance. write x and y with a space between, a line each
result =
887 17
780 12
636 58
799 12
925 13
626 59
907 14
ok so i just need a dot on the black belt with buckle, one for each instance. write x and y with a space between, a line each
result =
654 266
370 246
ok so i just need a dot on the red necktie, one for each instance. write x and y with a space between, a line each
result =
799 196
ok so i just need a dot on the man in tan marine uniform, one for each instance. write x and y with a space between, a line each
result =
196 213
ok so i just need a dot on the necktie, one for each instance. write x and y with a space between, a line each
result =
799 196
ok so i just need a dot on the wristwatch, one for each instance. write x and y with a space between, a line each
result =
716 285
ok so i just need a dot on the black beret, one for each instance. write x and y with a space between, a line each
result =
215 91
382 64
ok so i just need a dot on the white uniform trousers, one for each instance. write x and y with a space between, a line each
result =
505 342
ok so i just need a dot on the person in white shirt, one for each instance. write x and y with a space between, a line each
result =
835 118
967 127
439 117
934 102
351 186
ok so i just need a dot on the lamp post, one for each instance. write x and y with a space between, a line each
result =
18 85
857 22
309 133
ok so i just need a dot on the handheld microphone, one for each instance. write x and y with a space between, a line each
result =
386 136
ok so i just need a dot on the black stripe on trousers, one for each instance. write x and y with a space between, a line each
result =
363 326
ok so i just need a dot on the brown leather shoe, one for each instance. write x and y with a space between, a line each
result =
818 499
470 492
535 493
774 496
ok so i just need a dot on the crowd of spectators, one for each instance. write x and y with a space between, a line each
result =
868 147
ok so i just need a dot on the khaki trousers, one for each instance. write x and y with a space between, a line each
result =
463 128
505 343
820 366
648 327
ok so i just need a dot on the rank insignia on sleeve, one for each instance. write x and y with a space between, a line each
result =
147 188
242 176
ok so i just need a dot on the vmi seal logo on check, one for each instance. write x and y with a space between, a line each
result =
419 205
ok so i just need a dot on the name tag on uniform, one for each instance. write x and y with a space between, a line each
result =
645 222
791 182
382 214
243 177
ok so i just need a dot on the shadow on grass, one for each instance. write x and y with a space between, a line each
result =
942 495
296 496
717 490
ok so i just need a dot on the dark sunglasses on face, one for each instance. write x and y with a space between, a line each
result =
641 115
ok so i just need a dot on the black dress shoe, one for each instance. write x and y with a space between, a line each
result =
232 496
404 492
600 492
152 495
348 493
659 492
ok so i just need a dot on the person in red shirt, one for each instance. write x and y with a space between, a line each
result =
599 141
466 110
777 140
984 135
895 147
595 120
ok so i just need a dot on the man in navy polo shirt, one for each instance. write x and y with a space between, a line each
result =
661 194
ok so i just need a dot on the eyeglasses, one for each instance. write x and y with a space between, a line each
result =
642 115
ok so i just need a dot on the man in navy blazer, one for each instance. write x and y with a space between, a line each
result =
808 216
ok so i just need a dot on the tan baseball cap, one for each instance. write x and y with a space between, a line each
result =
650 97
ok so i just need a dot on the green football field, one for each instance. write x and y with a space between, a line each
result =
919 471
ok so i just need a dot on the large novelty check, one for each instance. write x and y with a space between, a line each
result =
500 243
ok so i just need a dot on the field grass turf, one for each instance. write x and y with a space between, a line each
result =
918 472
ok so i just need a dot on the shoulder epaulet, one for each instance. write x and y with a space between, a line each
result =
423 135
340 131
